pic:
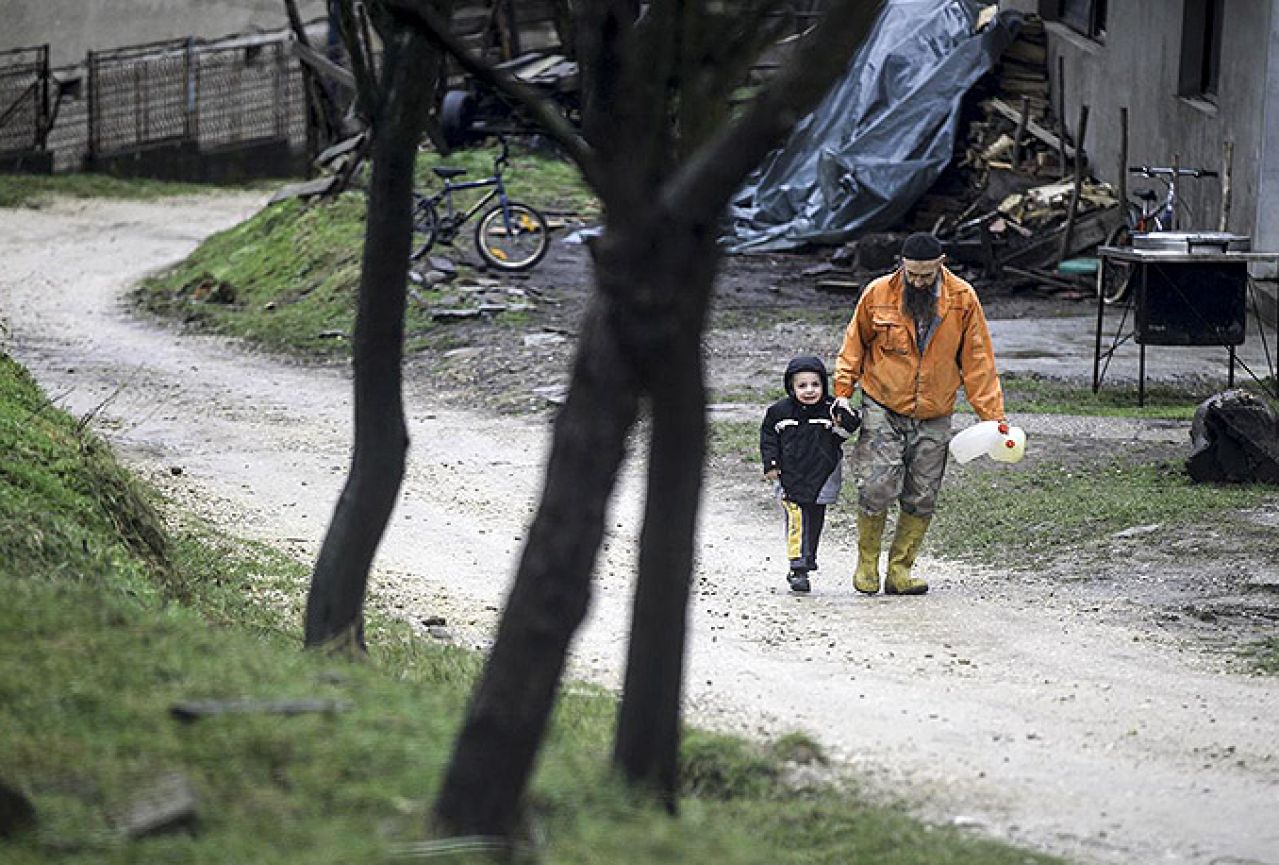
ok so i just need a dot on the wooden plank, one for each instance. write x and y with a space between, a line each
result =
1032 127
323 65
192 710
306 188
1090 230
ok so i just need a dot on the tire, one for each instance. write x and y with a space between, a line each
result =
457 113
1116 275
520 248
426 225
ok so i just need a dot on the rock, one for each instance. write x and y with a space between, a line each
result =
442 265
17 814
169 805
1137 531
555 394
543 338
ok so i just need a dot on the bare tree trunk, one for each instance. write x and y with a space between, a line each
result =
646 747
654 270
334 612
323 118
494 754
646 744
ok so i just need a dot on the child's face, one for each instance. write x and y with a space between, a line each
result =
808 387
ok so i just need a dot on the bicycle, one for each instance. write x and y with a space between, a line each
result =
510 235
1146 214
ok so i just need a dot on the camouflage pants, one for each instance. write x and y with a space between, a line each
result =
900 458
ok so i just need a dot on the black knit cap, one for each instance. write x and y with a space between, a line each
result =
921 246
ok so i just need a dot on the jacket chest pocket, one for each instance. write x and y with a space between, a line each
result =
891 334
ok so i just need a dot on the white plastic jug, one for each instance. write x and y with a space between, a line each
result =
978 439
1011 447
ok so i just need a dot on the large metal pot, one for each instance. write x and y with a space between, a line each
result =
1193 242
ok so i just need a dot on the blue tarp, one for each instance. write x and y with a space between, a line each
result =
881 136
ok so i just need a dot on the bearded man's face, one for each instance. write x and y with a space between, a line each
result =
920 277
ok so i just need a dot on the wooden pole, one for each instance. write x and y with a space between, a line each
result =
1176 197
1123 161
1067 234
1227 162
1021 132
1061 118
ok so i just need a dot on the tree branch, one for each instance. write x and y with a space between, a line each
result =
730 56
704 184
366 88
416 14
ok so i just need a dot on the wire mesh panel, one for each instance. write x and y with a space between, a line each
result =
242 93
140 96
24 92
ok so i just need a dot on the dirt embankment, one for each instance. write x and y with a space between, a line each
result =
1024 706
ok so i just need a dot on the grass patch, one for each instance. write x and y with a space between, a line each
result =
287 278
1265 655
1047 509
734 439
111 616
31 190
550 185
1033 394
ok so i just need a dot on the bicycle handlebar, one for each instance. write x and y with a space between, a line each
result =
1160 171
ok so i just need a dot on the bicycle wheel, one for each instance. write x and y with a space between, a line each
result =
1116 275
426 225
512 238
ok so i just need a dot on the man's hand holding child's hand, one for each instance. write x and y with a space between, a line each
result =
845 415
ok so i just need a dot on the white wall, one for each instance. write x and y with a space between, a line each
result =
1137 67
73 27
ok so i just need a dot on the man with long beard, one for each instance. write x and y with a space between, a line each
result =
917 335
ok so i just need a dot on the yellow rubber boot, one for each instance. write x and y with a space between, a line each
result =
901 556
870 534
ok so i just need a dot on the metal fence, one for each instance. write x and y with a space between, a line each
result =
24 99
209 95
248 93
141 95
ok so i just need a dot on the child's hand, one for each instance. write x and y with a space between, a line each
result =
850 419
772 475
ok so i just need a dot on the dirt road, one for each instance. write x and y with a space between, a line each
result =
1013 712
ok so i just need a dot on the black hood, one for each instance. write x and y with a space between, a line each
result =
806 363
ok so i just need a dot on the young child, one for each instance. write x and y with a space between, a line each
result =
800 442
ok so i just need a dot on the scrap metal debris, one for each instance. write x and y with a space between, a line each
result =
1236 440
1003 206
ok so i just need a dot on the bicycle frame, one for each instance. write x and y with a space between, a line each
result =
452 218
1145 216
509 235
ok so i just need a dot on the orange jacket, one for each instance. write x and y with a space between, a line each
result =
880 353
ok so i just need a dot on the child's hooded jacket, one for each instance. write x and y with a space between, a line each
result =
802 441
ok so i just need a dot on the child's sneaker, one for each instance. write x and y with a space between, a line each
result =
798 581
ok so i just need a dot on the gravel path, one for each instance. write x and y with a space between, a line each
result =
986 703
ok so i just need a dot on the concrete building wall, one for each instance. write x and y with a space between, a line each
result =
1138 66
1267 225
73 27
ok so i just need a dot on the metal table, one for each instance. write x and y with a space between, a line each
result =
1177 299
